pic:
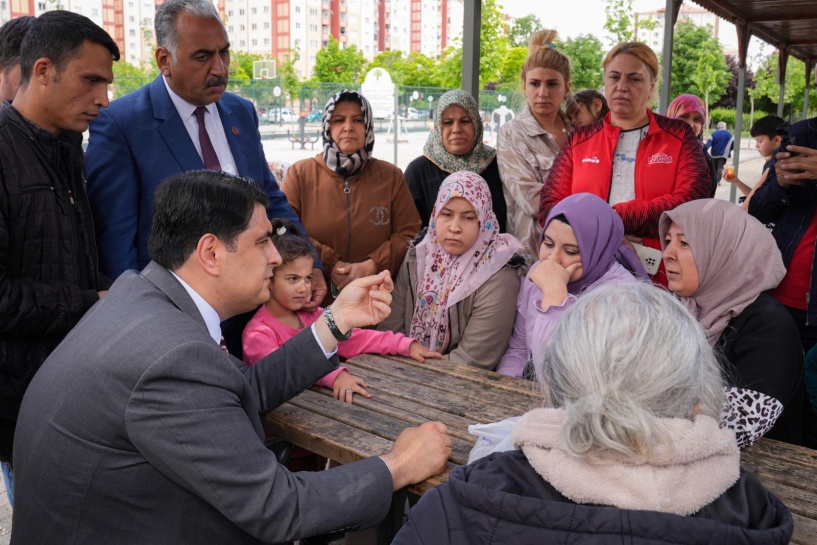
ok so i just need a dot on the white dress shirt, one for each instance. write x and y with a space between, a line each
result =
212 123
213 322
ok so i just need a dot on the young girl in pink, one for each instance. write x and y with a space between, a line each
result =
282 317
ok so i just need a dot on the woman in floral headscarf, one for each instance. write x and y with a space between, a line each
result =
357 209
454 144
456 290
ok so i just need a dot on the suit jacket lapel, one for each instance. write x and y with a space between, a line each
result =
172 129
237 137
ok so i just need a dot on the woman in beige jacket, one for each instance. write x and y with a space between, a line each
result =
528 144
456 290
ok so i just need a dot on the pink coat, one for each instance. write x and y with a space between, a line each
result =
264 334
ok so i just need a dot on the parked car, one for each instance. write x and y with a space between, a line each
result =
314 115
410 114
275 115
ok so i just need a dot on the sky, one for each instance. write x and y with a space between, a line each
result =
573 17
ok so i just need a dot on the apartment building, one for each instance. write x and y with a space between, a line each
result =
274 27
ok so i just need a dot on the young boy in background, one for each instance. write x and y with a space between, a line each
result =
767 142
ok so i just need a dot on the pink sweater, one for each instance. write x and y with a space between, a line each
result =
264 334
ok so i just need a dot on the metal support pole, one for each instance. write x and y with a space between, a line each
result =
472 21
396 122
733 191
666 55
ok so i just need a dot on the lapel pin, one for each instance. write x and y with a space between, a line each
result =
235 131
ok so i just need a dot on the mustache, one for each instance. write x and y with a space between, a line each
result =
218 80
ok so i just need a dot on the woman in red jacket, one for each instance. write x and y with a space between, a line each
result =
641 163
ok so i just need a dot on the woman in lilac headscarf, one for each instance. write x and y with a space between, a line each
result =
581 249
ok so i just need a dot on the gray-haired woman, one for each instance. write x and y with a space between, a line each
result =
628 443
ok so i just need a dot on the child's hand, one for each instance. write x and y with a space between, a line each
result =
419 352
346 385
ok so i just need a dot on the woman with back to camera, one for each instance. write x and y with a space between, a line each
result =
626 449
454 144
641 163
529 143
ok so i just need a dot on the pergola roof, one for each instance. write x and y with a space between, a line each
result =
785 24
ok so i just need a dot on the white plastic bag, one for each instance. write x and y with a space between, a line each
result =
492 437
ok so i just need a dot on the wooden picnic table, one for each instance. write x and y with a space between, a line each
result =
407 393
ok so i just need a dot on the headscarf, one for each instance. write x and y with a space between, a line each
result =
480 156
736 257
448 279
351 164
683 104
600 236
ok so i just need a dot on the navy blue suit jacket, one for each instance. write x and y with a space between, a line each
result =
138 142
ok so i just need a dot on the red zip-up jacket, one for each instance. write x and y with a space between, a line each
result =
670 169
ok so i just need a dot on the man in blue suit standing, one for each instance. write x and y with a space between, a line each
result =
183 120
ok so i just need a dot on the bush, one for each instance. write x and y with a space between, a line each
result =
727 115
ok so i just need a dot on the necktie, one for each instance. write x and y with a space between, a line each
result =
208 153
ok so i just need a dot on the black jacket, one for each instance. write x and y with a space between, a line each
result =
760 349
788 212
48 260
424 179
501 499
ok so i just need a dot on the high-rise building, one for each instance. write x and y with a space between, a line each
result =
654 37
273 28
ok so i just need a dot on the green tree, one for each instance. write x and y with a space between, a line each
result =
586 55
619 22
493 49
512 68
289 74
391 61
127 78
521 30
333 64
449 69
698 63
768 88
241 65
420 71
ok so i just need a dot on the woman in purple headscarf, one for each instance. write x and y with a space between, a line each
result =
581 249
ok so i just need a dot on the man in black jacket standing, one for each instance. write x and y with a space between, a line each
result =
48 261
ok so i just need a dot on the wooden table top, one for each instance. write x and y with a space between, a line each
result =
407 393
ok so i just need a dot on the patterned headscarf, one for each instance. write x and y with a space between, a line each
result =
480 155
599 234
683 104
347 165
448 279
736 257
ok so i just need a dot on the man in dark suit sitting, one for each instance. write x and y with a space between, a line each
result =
139 428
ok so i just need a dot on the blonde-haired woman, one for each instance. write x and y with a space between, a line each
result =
642 163
528 144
